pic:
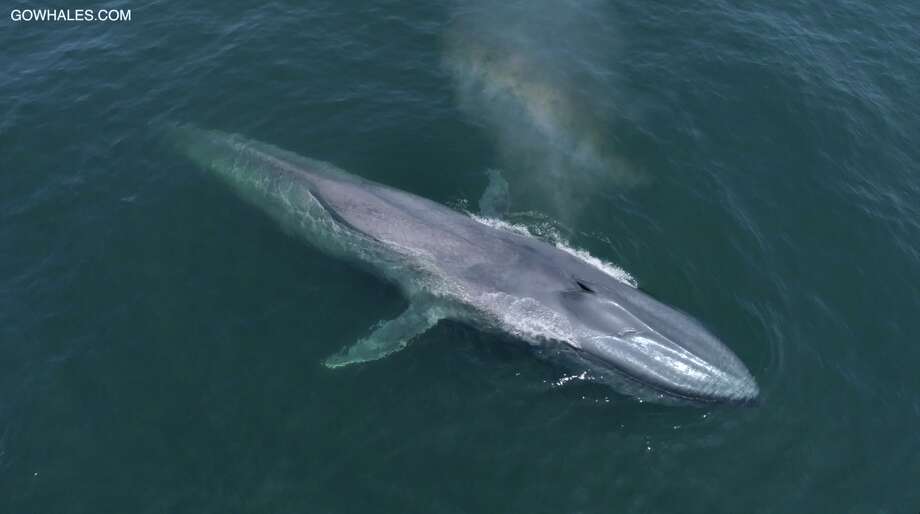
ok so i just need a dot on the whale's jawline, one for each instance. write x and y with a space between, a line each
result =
629 385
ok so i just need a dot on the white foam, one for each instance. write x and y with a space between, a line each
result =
502 225
606 267
583 376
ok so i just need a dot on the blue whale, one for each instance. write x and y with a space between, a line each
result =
450 265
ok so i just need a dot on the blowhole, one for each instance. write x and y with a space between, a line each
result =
584 287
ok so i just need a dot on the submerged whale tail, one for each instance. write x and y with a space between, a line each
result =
205 147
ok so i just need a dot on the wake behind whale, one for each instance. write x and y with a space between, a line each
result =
450 266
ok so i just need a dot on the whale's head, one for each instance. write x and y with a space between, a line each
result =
648 349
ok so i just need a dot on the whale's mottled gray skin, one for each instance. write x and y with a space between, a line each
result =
450 265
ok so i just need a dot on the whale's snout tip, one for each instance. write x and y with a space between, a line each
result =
729 391
738 388
750 392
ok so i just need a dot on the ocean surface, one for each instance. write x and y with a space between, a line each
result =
755 164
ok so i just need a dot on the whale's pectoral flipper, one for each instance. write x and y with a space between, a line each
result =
496 200
388 337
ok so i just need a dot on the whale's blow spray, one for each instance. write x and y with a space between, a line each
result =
538 75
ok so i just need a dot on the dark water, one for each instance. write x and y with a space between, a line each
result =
160 341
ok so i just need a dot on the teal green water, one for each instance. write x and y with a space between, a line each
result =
161 342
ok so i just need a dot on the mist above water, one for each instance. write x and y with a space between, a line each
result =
539 77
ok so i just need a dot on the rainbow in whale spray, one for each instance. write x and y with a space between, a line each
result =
534 78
